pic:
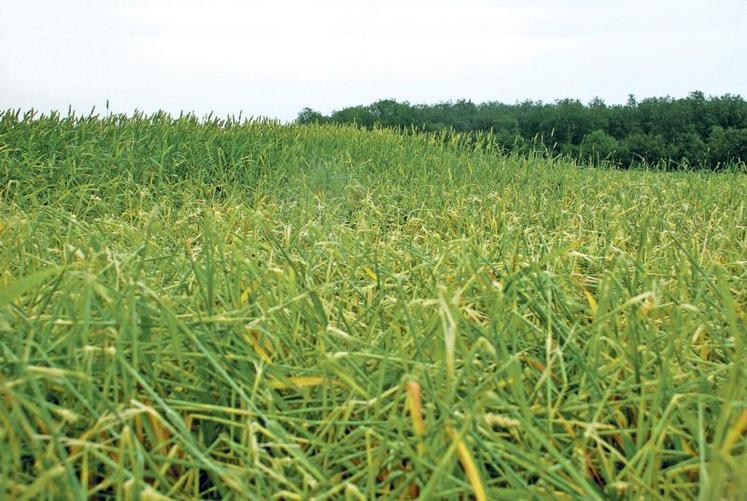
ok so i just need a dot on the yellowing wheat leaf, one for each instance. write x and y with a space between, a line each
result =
371 274
592 302
261 347
469 465
415 405
300 381
245 296
735 433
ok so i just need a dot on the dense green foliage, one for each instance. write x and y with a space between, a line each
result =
248 310
693 132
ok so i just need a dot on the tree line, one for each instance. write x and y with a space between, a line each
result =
697 131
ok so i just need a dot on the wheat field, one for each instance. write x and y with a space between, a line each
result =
225 309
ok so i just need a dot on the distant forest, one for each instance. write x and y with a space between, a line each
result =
692 132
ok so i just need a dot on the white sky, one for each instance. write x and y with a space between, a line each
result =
272 58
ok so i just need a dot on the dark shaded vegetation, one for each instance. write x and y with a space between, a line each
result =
692 132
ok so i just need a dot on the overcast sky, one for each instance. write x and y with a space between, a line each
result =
272 58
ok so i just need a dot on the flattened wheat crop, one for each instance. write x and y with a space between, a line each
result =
221 309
